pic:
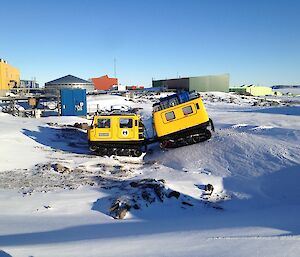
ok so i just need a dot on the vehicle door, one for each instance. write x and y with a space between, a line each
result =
103 128
126 128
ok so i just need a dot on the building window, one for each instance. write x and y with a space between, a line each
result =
170 116
103 123
187 110
125 123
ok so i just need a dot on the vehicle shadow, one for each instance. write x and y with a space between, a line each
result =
63 139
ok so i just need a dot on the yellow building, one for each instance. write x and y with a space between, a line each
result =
259 90
252 90
9 77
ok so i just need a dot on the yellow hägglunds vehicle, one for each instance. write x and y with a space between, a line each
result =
117 134
181 119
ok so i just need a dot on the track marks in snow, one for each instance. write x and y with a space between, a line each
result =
283 237
246 127
262 128
240 125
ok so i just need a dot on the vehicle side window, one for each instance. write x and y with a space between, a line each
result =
170 116
187 110
125 123
103 123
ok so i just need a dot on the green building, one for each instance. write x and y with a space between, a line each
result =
201 83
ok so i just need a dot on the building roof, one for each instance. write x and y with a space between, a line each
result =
69 79
104 82
104 77
202 76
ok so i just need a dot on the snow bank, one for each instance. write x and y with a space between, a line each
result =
252 161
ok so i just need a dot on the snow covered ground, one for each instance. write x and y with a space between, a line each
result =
55 196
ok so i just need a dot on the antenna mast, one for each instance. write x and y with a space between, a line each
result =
115 67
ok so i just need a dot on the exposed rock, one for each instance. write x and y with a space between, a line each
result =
119 209
84 126
186 203
159 192
77 125
60 168
121 213
174 194
134 184
148 197
51 124
209 188
46 166
114 207
136 206
147 183
153 189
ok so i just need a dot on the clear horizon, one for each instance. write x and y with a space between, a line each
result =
256 42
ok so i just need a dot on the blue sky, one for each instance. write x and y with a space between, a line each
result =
254 41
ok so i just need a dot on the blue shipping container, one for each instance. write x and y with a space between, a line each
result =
73 102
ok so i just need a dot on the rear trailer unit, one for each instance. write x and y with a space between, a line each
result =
181 119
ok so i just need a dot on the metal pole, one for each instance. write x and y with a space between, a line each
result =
115 67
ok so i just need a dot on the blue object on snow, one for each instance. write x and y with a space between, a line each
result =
73 102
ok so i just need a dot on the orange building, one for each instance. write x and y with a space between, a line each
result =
104 82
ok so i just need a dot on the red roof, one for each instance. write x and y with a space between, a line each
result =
104 82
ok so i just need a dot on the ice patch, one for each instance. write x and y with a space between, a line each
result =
262 128
240 125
